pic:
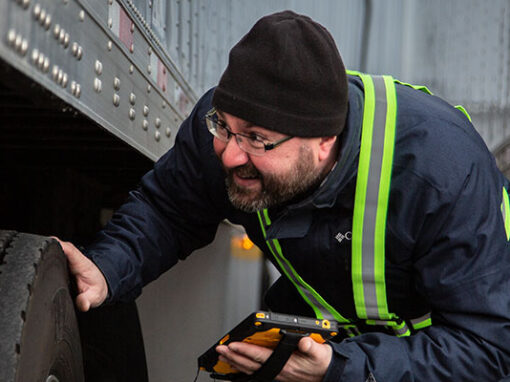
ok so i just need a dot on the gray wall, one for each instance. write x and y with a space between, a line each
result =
194 304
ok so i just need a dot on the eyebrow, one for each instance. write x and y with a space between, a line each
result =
244 124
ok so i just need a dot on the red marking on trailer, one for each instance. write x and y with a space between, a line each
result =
162 76
121 24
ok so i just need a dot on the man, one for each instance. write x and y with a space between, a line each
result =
306 158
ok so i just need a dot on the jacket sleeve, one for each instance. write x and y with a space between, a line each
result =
175 210
453 227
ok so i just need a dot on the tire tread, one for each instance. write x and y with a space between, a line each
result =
20 255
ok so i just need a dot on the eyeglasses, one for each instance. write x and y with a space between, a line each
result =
250 143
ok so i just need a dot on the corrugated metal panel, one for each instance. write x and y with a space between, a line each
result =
461 49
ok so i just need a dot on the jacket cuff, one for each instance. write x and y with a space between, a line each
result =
336 367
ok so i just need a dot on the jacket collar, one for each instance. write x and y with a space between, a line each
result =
293 221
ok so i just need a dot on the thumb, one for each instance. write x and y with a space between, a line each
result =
83 302
306 345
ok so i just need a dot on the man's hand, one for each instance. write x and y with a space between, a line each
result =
307 364
92 286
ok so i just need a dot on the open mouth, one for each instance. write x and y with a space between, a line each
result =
246 172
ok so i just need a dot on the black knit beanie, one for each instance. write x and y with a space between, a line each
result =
286 75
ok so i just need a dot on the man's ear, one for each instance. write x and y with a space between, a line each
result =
327 147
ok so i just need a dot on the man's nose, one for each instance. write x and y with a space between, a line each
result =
233 156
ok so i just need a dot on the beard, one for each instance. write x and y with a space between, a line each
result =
275 189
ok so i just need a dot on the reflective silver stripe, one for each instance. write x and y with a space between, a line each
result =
422 322
372 197
401 331
289 272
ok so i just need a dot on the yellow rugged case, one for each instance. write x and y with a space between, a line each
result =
263 329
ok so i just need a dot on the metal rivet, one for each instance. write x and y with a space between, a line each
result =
131 69
98 66
79 53
149 69
168 132
73 87
149 88
116 100
40 61
42 16
116 83
60 76
64 80
37 11
98 85
78 91
81 15
163 105
74 48
11 36
66 40
132 114
46 65
157 135
62 35
110 2
132 27
157 122
145 124
56 31
17 42
47 22
54 72
25 3
110 22
132 48
132 98
149 51
24 47
110 45
35 56
145 110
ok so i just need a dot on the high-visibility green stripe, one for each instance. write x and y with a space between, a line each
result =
464 111
317 296
382 203
266 217
416 87
279 258
506 213
423 324
317 311
360 196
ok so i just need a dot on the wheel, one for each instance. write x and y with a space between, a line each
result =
39 339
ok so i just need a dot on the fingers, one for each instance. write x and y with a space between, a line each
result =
73 254
245 357
82 302
92 286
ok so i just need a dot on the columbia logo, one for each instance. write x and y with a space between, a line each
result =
341 236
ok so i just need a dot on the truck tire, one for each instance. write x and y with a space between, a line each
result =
39 337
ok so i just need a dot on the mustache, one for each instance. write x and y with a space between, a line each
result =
247 170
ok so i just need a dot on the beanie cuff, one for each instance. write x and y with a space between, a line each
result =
278 120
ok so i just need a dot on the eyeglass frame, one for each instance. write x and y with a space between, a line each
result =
212 127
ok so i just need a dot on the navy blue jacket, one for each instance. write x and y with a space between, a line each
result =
446 245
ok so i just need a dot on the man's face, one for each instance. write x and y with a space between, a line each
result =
257 182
